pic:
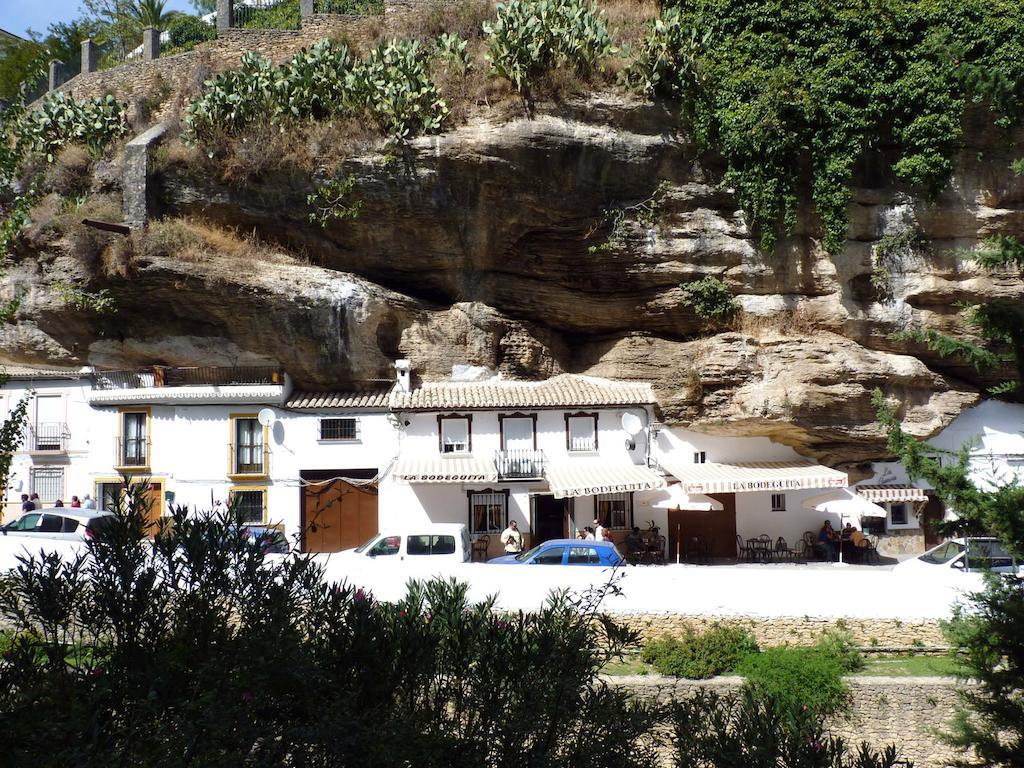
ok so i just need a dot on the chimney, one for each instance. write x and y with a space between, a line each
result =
403 368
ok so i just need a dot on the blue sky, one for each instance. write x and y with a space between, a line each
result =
19 15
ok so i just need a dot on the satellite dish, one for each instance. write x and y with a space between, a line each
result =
265 417
631 424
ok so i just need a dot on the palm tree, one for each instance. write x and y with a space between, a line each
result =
150 13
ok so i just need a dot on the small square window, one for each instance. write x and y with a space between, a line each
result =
700 457
248 505
339 429
778 502
615 510
488 511
898 514
581 432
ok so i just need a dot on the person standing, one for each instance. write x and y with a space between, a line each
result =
89 502
75 503
36 503
26 503
512 538
599 530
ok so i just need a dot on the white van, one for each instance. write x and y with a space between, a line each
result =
432 542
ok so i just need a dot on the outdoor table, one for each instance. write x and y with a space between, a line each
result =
760 550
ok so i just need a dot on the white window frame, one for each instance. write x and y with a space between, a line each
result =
580 444
778 502
911 518
445 441
491 497
357 430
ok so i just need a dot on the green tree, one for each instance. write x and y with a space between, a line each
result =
117 25
204 7
12 433
151 13
20 59
989 630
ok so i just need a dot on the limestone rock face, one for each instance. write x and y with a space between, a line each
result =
489 246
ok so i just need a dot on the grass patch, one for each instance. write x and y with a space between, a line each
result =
630 665
911 665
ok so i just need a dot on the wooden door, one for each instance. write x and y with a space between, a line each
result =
154 496
717 528
337 515
934 512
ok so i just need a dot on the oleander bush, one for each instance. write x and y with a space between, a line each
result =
700 656
193 649
749 730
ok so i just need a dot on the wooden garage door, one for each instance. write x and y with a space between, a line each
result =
717 528
337 515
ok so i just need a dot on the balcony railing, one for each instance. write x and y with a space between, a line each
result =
131 452
582 444
203 376
520 464
247 460
48 437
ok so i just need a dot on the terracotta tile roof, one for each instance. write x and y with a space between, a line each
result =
564 391
39 372
368 398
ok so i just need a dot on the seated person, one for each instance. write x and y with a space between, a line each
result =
827 541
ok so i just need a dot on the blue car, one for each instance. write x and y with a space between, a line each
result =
566 552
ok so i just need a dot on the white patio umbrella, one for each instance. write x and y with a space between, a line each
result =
674 497
848 505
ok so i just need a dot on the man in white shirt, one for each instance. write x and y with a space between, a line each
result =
598 530
512 538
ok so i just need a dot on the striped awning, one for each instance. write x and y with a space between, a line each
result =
445 469
747 477
897 493
583 477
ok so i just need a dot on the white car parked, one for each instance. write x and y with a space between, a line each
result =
431 542
968 555
63 523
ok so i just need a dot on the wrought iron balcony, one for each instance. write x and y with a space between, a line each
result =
48 437
520 464
248 460
131 452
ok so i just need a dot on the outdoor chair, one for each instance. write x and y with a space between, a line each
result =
866 551
478 553
811 544
799 553
782 551
742 550
659 550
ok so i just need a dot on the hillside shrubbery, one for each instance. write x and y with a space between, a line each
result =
392 86
793 94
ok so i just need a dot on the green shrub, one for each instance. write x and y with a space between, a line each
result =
793 678
698 657
350 7
528 38
712 731
186 31
710 299
284 15
838 643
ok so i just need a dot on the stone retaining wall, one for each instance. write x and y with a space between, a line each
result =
790 630
905 711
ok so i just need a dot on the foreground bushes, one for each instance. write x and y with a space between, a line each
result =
194 651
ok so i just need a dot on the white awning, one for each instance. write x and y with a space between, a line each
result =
585 477
846 504
445 469
753 476
883 493
674 497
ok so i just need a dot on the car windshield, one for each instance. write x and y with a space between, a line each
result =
942 553
526 555
364 547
